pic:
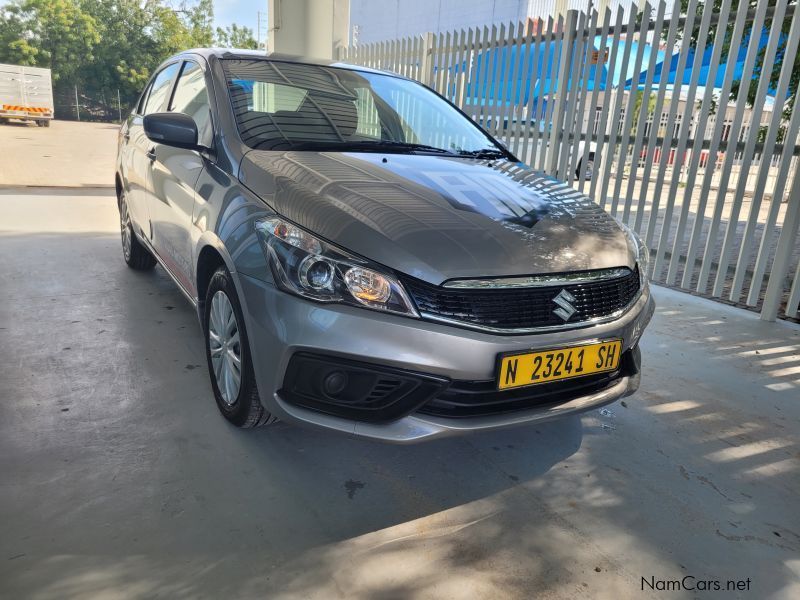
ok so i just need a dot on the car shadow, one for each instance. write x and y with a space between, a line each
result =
149 469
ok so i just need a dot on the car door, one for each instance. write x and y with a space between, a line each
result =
175 173
140 148
135 166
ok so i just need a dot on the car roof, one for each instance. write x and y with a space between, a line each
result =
236 53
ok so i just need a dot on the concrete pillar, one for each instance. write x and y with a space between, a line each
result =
315 28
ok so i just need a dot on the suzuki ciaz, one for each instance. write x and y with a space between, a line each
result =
364 258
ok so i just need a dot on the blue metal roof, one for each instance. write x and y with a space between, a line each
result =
502 89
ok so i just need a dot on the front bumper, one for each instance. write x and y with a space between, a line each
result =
280 325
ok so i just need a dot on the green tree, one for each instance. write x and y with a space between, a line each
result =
637 107
127 52
235 36
108 45
57 34
200 20
772 71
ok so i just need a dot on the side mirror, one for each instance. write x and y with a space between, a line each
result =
172 129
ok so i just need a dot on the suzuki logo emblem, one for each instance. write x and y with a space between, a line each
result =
565 309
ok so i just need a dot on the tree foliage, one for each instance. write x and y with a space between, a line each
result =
637 108
235 36
770 70
108 44
53 33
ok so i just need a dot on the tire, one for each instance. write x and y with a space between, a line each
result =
43 123
226 337
135 254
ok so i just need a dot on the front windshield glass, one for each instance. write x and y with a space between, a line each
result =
290 106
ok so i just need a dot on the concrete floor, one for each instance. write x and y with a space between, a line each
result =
68 153
118 479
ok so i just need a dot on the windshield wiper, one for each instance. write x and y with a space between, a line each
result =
394 146
483 153
391 146
372 145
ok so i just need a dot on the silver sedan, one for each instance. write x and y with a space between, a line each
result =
365 258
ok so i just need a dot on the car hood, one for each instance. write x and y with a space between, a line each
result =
438 218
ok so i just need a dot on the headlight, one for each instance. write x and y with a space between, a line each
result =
642 253
311 268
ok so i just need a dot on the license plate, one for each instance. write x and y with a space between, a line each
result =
531 368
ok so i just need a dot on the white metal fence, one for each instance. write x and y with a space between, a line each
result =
713 187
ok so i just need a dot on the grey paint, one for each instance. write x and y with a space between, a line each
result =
280 325
435 218
171 200
439 218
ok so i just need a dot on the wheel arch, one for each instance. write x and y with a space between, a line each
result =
211 255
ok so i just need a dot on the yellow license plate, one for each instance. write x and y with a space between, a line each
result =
531 368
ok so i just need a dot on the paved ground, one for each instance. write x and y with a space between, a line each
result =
119 479
67 153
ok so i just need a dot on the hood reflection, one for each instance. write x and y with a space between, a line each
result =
439 218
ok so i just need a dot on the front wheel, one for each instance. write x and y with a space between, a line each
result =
228 355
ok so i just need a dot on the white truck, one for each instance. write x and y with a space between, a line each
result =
26 93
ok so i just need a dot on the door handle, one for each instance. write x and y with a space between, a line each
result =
151 154
126 136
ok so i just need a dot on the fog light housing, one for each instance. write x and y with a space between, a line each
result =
334 383
354 390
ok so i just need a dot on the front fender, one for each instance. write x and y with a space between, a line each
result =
224 219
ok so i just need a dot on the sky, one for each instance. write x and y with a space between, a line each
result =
241 12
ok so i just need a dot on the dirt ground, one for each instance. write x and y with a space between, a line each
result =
66 154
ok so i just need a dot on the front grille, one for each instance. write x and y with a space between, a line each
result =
524 308
482 398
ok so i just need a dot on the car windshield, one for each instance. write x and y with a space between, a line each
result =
291 106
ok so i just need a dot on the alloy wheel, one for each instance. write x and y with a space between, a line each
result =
125 226
225 347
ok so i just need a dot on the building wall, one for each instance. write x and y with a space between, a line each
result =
380 20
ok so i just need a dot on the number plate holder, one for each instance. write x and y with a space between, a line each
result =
524 369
